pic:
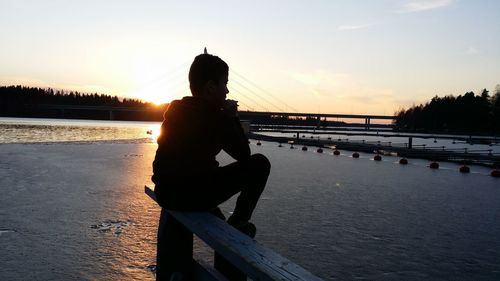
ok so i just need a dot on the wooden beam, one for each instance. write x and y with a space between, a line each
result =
255 260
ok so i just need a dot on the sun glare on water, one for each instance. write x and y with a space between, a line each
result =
154 132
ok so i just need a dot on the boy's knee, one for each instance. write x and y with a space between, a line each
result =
261 163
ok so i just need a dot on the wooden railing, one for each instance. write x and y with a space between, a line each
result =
247 255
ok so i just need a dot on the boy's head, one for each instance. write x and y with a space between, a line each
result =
208 76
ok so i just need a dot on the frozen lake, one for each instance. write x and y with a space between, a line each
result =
76 210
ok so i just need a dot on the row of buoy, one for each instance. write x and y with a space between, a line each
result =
319 150
403 161
464 169
435 140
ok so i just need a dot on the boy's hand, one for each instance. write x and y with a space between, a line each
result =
231 107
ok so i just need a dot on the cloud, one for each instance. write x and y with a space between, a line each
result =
343 93
354 27
471 51
425 5
31 82
323 83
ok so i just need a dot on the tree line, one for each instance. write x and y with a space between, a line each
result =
468 113
22 101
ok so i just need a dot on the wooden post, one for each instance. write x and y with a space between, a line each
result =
174 249
229 271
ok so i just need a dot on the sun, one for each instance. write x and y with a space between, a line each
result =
155 95
151 90
154 85
147 81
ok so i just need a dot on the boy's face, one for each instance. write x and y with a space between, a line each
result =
219 90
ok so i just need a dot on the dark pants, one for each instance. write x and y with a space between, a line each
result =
207 191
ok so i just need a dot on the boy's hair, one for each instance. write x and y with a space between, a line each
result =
204 68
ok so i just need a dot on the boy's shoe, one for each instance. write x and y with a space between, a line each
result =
245 227
218 213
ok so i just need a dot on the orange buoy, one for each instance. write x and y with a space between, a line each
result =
336 152
403 161
280 145
434 165
355 155
319 150
464 169
258 143
495 173
304 148
377 158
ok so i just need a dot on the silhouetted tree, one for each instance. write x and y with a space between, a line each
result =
469 113
20 101
495 108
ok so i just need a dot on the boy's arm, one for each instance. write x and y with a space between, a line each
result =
234 140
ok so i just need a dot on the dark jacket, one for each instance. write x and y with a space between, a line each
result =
192 134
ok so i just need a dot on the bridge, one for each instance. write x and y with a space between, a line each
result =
245 115
252 115
64 109
256 103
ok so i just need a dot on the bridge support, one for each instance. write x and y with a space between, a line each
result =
367 123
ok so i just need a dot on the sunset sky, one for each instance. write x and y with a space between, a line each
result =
331 56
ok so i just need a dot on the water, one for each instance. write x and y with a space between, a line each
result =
361 219
31 130
76 210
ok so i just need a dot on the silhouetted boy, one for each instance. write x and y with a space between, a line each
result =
195 129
